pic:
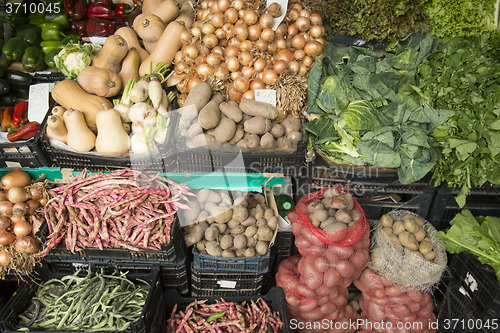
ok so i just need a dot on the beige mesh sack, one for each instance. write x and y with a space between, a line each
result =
396 256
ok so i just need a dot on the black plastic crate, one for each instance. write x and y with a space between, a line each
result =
275 298
174 275
168 251
284 244
377 196
149 273
164 161
219 283
472 300
257 264
233 159
483 201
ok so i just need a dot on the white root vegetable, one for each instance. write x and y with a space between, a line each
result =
140 111
139 92
155 92
163 107
123 110
139 146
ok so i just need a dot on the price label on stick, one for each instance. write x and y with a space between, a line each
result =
266 96
38 103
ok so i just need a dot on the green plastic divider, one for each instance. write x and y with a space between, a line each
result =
217 180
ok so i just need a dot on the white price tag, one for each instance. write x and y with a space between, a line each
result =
38 103
284 7
227 284
266 96
97 40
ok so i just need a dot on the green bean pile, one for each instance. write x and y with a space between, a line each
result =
95 302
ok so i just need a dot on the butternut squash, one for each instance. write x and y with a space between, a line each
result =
165 49
56 128
80 137
100 81
112 140
111 54
167 11
150 46
130 67
69 94
58 110
131 38
149 5
149 27
186 14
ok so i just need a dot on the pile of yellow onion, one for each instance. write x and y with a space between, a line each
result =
233 41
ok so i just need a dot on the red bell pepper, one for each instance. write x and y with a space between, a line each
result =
25 132
100 27
79 27
107 3
76 9
7 118
122 10
20 113
101 12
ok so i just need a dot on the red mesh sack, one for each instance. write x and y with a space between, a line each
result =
418 325
336 322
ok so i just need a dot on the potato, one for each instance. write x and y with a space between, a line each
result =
200 246
256 125
240 241
376 257
198 96
196 234
387 230
250 231
417 219
221 226
259 212
410 225
225 130
203 195
204 215
214 197
420 234
242 144
238 134
262 222
239 201
200 140
268 213
187 117
350 201
240 213
394 238
327 222
265 234
425 247
338 203
337 226
228 254
213 249
252 241
226 242
209 116
267 141
351 223
293 138
355 215
277 131
427 239
332 211
225 198
291 124
231 110
253 141
280 143
262 247
314 205
430 256
331 192
398 227
192 212
194 130
261 199
237 230
249 221
222 215
408 240
211 233
314 220
233 224
256 108
240 253
342 215
272 222
250 252
386 220
320 214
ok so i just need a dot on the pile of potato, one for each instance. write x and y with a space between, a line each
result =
219 225
249 124
333 213
409 232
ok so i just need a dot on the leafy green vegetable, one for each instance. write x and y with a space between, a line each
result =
462 75
461 18
478 235
374 19
365 120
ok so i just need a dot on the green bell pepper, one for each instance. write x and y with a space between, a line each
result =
51 31
17 21
71 38
1 43
37 20
48 45
61 18
49 57
4 62
33 59
32 35
14 48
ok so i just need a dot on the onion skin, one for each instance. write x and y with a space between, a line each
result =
20 208
27 244
5 258
6 208
17 194
15 178
5 223
43 201
35 192
22 229
7 238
